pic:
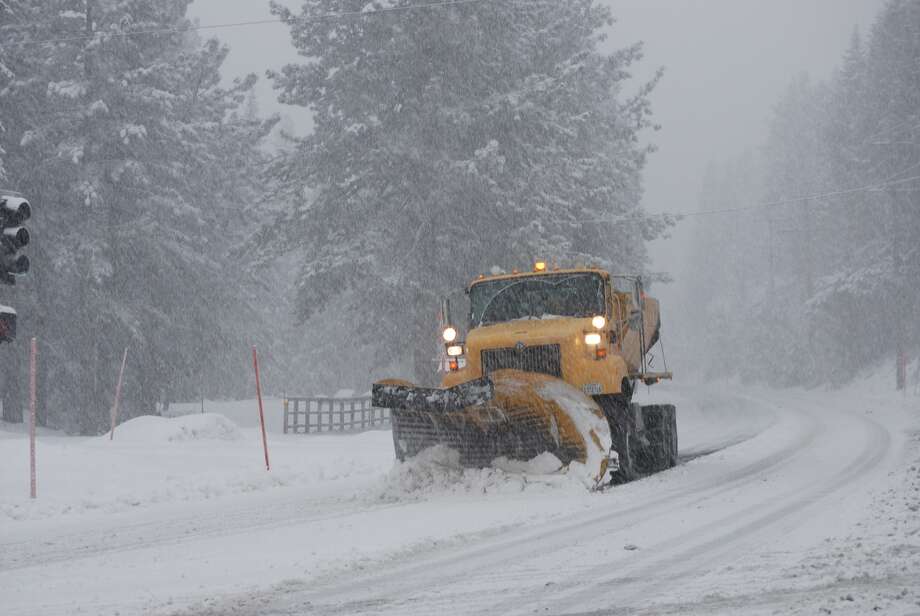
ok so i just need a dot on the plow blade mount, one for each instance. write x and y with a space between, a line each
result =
516 415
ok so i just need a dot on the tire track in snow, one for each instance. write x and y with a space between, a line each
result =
115 539
672 565
664 562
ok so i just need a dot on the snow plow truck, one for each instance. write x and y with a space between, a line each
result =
549 363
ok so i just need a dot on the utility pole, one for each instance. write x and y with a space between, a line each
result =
807 246
772 257
900 295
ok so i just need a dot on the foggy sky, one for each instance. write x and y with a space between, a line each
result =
726 63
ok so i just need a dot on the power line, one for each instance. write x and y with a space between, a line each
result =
677 216
240 24
748 208
836 193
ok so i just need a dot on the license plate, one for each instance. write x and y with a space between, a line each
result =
592 389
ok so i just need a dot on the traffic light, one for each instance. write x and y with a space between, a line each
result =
13 212
7 324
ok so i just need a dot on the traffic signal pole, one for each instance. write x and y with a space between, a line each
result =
33 404
15 210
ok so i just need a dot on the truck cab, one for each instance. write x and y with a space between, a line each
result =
581 325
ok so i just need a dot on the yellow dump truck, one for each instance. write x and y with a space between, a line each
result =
548 363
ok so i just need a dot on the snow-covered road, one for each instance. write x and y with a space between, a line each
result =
790 501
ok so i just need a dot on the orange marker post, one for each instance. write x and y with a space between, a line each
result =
255 364
121 376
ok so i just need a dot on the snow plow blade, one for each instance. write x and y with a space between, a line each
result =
514 415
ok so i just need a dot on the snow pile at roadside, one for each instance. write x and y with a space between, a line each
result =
437 471
880 381
874 568
202 427
156 461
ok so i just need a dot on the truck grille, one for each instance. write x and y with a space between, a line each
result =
542 358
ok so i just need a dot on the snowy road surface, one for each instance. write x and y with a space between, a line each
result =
790 502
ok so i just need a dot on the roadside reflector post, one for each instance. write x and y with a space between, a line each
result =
255 364
33 399
115 403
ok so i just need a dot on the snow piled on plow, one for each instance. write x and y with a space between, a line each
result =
586 416
437 471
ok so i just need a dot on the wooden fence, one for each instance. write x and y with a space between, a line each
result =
306 415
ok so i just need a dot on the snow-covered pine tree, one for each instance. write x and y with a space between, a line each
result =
846 139
6 73
126 146
847 267
449 139
20 105
893 61
835 307
870 137
731 310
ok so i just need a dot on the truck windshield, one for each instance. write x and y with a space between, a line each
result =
536 297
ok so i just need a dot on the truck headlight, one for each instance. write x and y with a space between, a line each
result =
449 334
598 322
455 350
593 339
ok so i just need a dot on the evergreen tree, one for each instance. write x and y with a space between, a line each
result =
846 264
894 91
448 140
125 141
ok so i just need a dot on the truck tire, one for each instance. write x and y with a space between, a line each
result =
660 453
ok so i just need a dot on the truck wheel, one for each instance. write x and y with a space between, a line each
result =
630 452
661 433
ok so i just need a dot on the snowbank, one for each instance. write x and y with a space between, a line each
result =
165 462
880 380
203 427
244 413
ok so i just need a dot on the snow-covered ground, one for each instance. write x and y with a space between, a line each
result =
787 502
